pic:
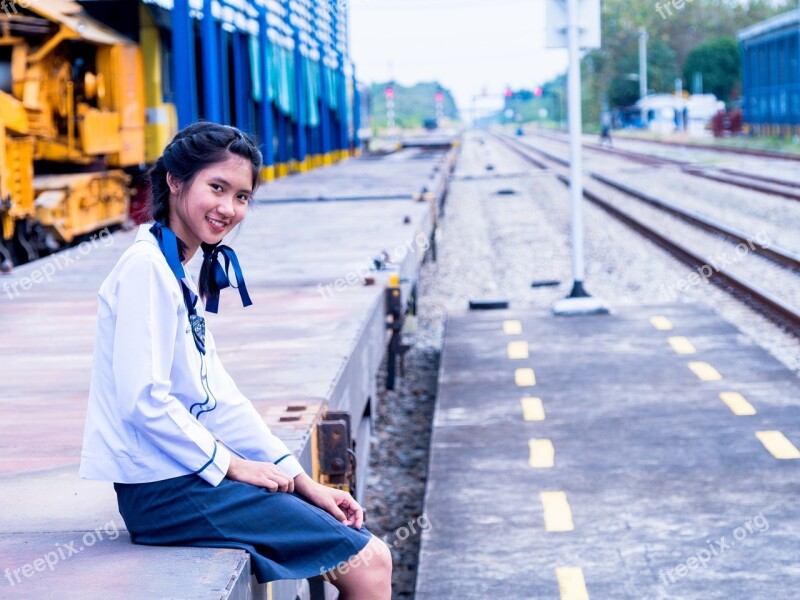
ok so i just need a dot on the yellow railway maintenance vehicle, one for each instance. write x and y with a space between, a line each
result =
76 118
71 119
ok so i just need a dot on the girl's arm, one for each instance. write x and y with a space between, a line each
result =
148 301
261 474
237 423
341 505
338 503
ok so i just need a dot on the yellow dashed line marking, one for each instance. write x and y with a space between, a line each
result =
571 584
542 453
524 377
681 345
778 445
704 371
532 409
517 350
557 513
512 327
737 403
661 323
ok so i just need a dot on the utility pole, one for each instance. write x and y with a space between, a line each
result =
642 62
579 302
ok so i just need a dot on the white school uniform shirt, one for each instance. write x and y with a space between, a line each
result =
157 408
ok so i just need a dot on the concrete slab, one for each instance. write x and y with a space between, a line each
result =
104 565
670 493
398 175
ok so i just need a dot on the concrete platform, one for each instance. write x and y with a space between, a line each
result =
399 175
314 338
115 569
622 474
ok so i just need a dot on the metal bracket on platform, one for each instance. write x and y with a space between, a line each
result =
394 322
335 447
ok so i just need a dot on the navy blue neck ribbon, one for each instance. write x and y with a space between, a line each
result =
168 243
220 275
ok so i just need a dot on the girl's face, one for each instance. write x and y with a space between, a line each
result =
214 203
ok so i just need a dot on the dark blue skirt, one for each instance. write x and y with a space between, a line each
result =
287 537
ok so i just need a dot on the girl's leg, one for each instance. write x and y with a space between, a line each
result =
367 575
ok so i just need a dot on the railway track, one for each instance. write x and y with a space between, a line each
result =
775 308
751 181
728 150
778 255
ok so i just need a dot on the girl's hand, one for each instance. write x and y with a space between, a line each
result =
341 505
261 474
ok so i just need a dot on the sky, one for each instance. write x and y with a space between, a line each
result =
467 45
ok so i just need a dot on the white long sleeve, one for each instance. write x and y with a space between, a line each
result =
144 364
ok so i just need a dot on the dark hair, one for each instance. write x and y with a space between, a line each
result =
193 149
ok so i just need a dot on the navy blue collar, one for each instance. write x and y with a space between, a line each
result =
168 244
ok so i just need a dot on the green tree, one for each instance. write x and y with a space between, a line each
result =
661 72
719 62
412 104
607 71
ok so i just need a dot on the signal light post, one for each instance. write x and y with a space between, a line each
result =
390 124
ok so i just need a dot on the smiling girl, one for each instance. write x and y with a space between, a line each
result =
193 462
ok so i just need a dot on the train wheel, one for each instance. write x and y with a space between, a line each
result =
21 244
6 262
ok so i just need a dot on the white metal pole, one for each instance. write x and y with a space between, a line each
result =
575 132
578 302
642 62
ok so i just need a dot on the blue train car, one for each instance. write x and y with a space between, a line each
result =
771 75
279 69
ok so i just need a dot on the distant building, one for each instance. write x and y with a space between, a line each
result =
771 74
700 110
666 113
662 112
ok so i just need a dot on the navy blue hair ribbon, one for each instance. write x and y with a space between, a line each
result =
221 277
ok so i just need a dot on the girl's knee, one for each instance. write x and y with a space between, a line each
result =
369 573
374 561
375 558
381 555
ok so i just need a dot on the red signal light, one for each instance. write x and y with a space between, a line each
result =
537 92
509 93
389 92
439 97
